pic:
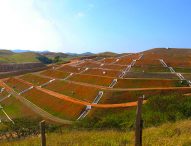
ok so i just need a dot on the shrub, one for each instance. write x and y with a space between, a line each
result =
44 60
158 109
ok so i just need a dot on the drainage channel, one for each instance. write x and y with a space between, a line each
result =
78 63
47 83
113 83
141 56
88 107
38 86
2 89
163 63
180 76
83 70
85 112
127 69
100 93
171 70
26 90
6 114
5 97
70 75
114 61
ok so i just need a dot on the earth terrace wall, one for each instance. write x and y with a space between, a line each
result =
22 66
7 70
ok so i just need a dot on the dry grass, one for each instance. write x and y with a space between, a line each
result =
34 79
96 80
55 74
81 92
170 134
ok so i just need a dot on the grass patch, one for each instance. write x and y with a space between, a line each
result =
169 134
157 110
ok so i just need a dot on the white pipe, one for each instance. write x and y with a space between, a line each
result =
98 97
68 76
8 116
113 83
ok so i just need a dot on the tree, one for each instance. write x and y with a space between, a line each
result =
56 59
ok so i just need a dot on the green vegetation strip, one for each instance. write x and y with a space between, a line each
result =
170 134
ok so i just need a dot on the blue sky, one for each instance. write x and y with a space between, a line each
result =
94 25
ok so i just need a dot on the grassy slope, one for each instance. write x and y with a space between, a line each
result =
170 134
53 105
96 80
73 90
19 57
55 73
15 109
34 79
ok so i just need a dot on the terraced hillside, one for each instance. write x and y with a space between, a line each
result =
78 90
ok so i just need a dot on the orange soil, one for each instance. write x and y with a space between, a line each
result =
110 73
85 93
88 64
66 98
114 66
97 80
149 69
145 83
127 59
3 94
148 62
55 74
108 60
150 75
55 106
118 97
73 61
34 79
178 63
173 57
124 61
68 68
16 85
72 100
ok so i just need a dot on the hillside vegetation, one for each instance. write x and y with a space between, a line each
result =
67 91
19 57
166 122
169 134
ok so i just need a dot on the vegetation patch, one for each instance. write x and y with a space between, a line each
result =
55 74
54 105
157 110
34 79
96 80
77 91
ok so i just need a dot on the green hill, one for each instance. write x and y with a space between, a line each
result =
11 57
5 52
107 54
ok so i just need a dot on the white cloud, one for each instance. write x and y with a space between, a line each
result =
23 27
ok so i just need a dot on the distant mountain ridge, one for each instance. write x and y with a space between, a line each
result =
50 52
22 56
82 54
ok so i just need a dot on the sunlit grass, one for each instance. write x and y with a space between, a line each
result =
169 134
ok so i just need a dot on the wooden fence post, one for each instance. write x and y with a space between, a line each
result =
42 131
139 123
